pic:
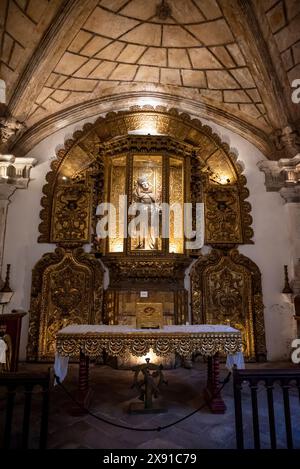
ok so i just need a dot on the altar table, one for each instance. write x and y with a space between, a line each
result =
89 341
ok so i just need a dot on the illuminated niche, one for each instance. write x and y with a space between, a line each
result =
150 183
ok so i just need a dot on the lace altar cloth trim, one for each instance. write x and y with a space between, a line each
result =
120 340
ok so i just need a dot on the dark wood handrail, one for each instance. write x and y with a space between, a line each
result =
25 382
268 378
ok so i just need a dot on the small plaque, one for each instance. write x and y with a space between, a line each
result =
149 315
144 294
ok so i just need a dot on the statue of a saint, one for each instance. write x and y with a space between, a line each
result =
5 352
144 195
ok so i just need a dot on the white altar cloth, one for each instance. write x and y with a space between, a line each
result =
86 330
103 328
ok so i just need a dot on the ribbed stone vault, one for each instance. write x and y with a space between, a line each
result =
235 55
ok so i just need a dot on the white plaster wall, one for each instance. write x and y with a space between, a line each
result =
270 251
21 248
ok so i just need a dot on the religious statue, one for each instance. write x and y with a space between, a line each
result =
149 386
5 352
144 195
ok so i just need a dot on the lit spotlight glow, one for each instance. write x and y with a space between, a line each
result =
224 179
140 360
148 101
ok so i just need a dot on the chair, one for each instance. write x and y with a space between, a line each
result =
264 380
24 385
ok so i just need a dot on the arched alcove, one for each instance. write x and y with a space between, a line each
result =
82 151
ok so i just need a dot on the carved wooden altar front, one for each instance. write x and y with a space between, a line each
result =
184 162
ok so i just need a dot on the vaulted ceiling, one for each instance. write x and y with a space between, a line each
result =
238 57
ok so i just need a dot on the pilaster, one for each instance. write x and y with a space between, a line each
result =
14 174
283 176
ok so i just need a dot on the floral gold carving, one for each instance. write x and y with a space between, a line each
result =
71 214
67 288
68 218
226 289
169 271
222 215
179 135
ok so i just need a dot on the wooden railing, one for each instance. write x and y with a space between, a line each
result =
266 378
14 384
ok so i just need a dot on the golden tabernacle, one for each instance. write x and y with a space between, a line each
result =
149 315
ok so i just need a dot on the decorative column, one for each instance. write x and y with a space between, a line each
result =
5 194
14 174
283 176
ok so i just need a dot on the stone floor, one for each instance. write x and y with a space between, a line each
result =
182 395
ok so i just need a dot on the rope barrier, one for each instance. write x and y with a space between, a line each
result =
155 429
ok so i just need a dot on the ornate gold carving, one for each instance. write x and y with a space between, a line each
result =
149 315
66 289
259 324
144 144
120 304
162 171
222 215
226 288
196 294
139 344
181 306
227 214
71 214
185 136
83 162
110 307
177 170
117 188
160 270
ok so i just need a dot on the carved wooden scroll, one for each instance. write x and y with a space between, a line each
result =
67 288
227 216
226 289
71 214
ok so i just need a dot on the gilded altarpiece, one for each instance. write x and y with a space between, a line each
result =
66 289
185 162
151 171
226 289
